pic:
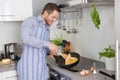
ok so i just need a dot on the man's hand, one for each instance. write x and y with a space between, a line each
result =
53 49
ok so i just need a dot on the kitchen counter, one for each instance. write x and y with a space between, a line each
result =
8 67
72 75
76 75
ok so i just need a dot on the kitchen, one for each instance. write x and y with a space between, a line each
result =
86 37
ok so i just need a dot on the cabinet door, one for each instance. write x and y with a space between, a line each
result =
9 75
15 10
11 78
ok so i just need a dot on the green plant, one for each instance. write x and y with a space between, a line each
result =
95 16
57 40
108 52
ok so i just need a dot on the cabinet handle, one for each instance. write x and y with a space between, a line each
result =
6 15
12 76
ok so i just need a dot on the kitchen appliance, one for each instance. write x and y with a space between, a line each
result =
85 3
58 73
55 75
10 50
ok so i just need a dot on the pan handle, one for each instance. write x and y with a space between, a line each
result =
59 59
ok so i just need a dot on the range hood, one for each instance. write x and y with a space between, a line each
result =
85 3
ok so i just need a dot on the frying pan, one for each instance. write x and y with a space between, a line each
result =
61 61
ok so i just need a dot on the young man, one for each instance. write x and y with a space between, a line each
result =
35 33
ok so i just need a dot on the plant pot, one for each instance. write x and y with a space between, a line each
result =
110 63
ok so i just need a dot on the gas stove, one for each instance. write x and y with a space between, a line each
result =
57 73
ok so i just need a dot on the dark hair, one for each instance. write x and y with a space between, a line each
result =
50 7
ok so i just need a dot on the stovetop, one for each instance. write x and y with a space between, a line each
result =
84 63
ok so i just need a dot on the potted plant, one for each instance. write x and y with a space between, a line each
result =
58 41
109 55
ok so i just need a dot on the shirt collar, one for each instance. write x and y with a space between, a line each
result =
39 19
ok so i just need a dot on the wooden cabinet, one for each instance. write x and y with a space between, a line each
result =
15 10
9 75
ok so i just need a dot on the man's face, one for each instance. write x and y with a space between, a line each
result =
50 18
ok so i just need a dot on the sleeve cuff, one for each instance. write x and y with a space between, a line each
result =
46 44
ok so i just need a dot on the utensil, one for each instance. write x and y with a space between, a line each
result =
64 27
74 30
78 19
59 59
59 26
68 30
61 63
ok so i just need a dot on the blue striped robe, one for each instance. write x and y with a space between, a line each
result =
35 37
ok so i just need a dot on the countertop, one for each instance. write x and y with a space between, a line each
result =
76 75
72 75
8 67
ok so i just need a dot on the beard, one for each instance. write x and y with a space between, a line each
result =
47 21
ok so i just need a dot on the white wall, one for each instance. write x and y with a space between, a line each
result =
89 41
9 32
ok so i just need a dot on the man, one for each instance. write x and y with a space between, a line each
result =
36 43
